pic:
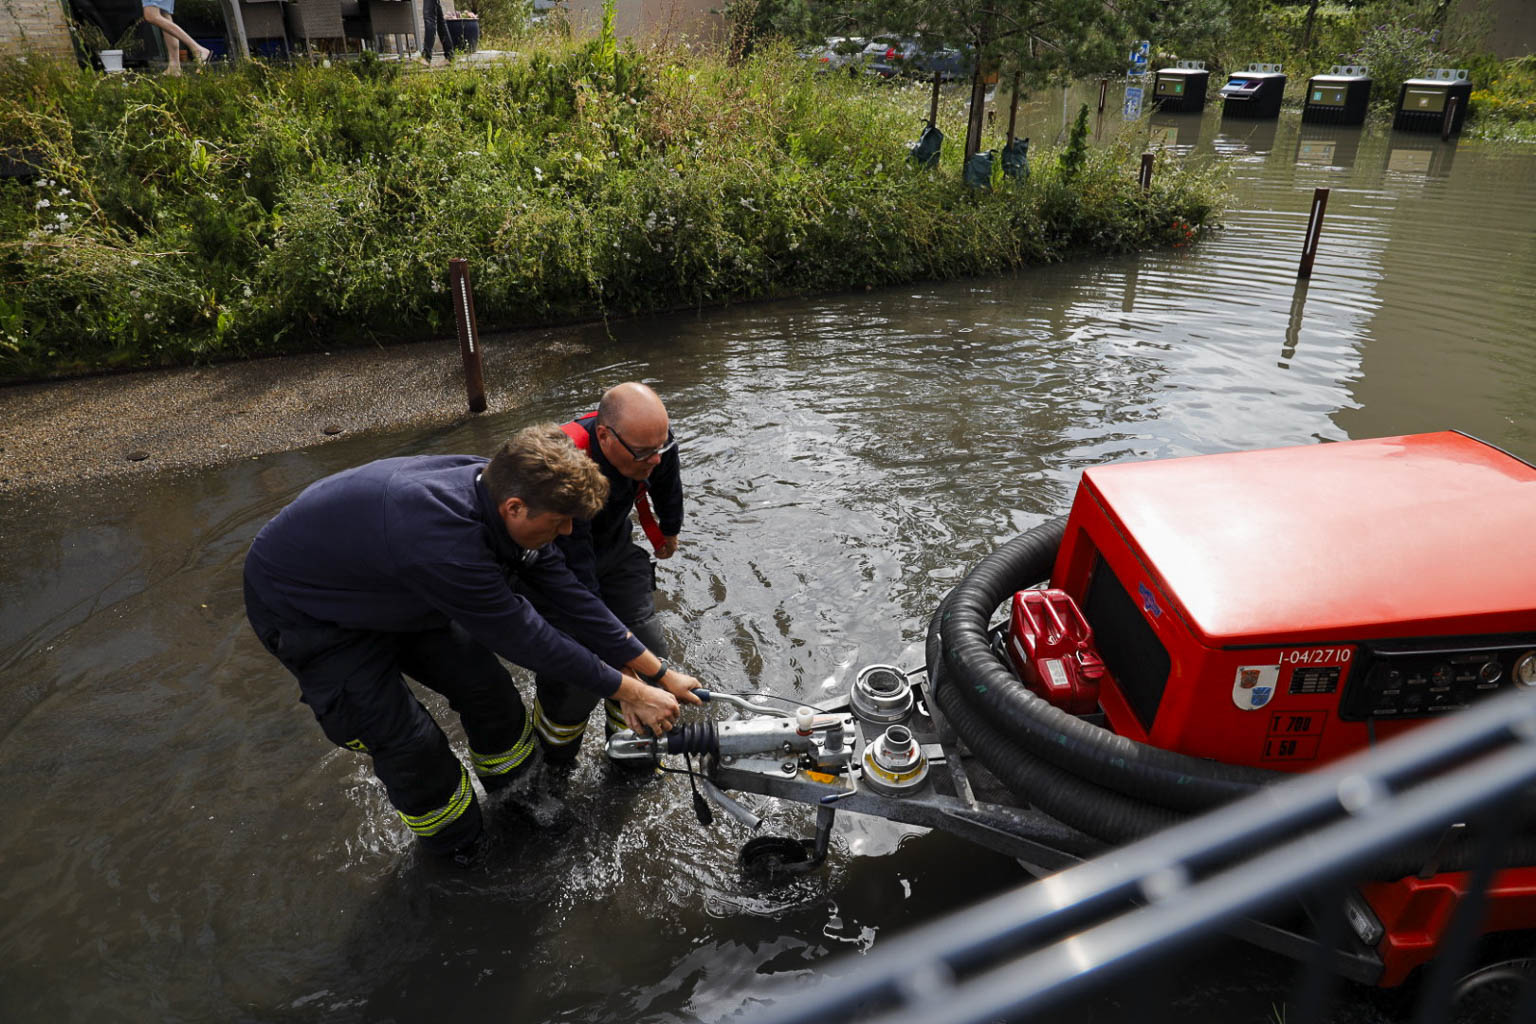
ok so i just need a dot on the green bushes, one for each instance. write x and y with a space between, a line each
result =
1504 105
1395 52
270 210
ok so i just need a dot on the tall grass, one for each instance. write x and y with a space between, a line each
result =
269 209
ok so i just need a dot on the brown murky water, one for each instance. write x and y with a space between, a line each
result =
180 843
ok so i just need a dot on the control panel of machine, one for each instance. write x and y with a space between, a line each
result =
1170 86
1329 95
1414 682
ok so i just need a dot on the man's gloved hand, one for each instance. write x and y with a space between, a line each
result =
668 547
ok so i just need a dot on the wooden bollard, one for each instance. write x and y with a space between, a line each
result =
1103 92
469 344
1314 231
1450 119
1146 171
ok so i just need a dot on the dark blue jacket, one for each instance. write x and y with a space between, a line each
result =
408 544
590 540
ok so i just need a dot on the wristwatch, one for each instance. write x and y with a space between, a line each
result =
654 680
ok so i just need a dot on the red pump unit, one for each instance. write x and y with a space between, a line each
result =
1278 609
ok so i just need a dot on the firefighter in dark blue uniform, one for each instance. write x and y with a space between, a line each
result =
420 566
630 440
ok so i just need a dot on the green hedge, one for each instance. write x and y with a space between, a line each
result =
265 209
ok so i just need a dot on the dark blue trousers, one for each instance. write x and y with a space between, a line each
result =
353 682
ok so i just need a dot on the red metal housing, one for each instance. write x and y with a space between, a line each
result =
1274 608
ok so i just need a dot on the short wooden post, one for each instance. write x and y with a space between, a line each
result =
1314 231
469 345
1450 119
1146 171
1103 92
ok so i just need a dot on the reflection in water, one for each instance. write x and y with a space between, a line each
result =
1328 146
1179 133
181 842
1293 323
1420 156
1241 137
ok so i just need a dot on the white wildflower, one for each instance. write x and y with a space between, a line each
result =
246 291
43 204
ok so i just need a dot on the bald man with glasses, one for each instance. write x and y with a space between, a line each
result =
630 439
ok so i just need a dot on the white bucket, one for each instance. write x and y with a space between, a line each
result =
111 60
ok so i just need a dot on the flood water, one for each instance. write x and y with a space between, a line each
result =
181 843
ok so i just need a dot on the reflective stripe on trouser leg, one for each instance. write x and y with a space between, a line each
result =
615 721
490 766
434 821
556 737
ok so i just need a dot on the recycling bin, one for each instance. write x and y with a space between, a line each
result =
1254 93
1181 89
1340 97
1422 103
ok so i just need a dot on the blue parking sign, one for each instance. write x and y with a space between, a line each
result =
1133 94
1141 53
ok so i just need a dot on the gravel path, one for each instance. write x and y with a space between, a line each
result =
147 422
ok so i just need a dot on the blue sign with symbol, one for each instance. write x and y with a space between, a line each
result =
1140 54
1133 94
1149 602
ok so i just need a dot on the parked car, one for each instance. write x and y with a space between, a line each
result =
888 58
836 53
947 62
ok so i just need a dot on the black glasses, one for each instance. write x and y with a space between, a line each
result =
643 454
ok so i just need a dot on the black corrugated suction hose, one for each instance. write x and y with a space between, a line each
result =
1149 774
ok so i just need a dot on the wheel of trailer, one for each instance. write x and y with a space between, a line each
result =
775 859
1491 992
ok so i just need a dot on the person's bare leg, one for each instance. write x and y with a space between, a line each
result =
174 36
172 51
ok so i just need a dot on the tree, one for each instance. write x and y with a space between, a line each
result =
1039 41
799 21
